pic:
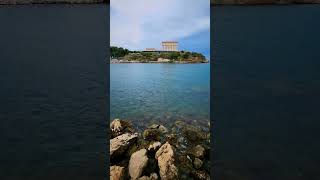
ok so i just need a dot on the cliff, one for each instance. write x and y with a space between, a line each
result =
13 2
257 2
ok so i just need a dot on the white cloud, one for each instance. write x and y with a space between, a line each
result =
137 24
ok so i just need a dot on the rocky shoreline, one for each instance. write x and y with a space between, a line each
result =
25 2
180 152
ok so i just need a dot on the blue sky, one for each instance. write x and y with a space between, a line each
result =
140 24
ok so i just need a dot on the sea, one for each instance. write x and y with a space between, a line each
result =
147 94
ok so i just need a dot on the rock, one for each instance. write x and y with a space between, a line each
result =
197 163
161 128
154 146
154 132
153 176
116 173
138 162
144 178
165 157
120 144
116 127
185 164
194 134
201 175
172 139
151 134
198 151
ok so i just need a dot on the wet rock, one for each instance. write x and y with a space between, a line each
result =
153 176
200 175
185 164
138 162
194 134
198 151
197 163
116 127
151 134
172 139
165 157
116 173
154 146
120 144
161 128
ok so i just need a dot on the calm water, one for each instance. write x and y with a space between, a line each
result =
160 93
266 92
53 77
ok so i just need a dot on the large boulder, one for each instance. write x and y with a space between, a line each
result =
165 157
116 173
120 144
138 162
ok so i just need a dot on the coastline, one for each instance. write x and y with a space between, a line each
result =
147 154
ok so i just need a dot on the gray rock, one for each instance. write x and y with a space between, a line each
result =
138 162
120 144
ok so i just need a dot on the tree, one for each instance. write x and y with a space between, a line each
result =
117 52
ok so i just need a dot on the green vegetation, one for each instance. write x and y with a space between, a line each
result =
170 57
117 52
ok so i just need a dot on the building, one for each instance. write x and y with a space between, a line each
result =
150 49
169 46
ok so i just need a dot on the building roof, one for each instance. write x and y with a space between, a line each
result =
169 42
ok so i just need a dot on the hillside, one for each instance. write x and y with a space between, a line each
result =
152 57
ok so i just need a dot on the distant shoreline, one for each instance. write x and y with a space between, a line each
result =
157 62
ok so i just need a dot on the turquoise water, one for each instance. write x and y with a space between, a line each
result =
161 93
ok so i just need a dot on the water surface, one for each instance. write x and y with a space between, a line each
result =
160 93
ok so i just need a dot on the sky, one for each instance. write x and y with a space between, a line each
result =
140 24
